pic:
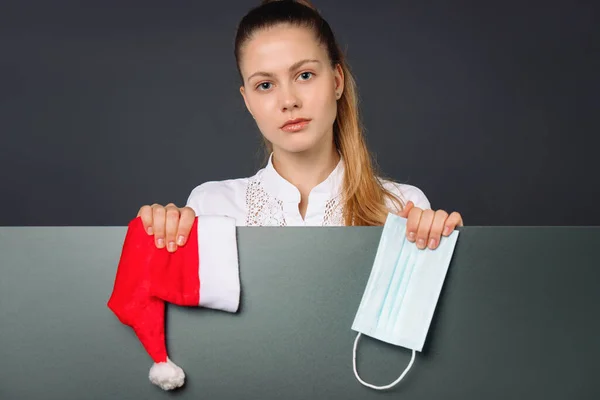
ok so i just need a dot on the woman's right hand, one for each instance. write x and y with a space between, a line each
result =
169 224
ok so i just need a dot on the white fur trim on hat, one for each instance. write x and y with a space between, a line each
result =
219 264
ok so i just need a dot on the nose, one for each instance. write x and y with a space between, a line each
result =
289 99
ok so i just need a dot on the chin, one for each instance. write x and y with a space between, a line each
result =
298 144
296 149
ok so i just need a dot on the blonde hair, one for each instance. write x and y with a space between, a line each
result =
363 195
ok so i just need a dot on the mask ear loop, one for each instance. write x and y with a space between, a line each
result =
412 360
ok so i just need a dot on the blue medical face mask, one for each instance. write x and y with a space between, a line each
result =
402 291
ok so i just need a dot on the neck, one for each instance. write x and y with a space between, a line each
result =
307 169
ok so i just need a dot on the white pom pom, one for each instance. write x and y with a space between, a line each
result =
167 375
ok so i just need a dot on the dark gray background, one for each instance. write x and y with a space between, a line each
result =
516 319
491 108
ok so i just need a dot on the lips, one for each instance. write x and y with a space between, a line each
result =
295 121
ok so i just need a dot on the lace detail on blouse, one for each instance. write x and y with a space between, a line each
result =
263 209
266 210
333 213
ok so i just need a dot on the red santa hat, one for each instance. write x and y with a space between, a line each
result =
204 272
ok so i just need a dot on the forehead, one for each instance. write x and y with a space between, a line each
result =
275 49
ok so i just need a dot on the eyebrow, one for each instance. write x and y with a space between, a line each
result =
294 66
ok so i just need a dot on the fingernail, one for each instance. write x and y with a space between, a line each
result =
421 243
411 235
432 244
150 230
171 246
160 242
180 240
447 230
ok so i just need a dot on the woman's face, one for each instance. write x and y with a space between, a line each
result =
287 75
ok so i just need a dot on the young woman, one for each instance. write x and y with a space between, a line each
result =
298 87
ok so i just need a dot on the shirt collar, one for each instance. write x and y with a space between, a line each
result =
279 187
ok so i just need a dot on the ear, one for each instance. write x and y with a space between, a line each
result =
338 75
245 100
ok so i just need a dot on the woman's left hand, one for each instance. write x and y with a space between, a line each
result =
426 227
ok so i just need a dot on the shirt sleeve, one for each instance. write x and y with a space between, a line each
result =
418 198
194 200
227 197
407 193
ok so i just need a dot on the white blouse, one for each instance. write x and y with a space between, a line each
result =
267 199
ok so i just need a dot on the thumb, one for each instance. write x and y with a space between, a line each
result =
406 209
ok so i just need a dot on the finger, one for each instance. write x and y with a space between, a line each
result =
452 222
459 217
172 213
412 223
186 220
158 214
424 228
404 212
146 215
437 226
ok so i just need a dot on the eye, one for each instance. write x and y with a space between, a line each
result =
306 75
264 86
